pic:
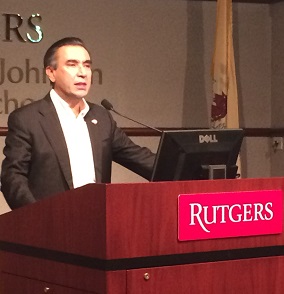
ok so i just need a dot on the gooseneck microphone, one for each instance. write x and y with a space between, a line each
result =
107 105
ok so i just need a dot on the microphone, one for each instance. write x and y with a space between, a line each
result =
107 105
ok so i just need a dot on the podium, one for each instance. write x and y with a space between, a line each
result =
122 238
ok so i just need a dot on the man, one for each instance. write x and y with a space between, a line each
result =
62 142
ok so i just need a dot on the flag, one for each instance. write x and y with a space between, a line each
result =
224 110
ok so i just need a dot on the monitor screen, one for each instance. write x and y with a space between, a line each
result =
197 154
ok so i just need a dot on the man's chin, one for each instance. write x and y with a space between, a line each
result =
80 94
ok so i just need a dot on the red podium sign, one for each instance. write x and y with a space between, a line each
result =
229 214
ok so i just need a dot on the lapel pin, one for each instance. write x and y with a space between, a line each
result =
94 121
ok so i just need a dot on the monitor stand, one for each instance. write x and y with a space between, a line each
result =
220 171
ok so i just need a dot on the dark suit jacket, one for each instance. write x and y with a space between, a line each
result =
37 162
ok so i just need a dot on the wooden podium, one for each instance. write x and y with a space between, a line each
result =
122 238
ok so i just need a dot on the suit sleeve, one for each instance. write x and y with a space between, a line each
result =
16 164
132 156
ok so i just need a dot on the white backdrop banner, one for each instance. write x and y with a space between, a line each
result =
138 50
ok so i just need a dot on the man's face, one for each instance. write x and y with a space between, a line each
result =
72 77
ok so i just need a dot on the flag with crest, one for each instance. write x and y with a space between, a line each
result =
224 110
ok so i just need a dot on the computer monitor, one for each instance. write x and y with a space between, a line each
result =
197 154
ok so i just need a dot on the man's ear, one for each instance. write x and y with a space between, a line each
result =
50 73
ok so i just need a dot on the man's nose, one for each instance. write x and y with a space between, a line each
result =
82 71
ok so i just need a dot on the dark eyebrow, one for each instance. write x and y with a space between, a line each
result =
88 61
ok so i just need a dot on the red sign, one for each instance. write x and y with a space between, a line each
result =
229 214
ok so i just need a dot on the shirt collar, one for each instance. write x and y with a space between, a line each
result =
59 102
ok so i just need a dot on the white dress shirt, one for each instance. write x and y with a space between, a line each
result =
78 141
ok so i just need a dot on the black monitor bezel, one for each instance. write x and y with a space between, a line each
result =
234 139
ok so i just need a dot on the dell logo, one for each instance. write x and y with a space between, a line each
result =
207 139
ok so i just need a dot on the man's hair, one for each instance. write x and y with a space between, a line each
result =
50 58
